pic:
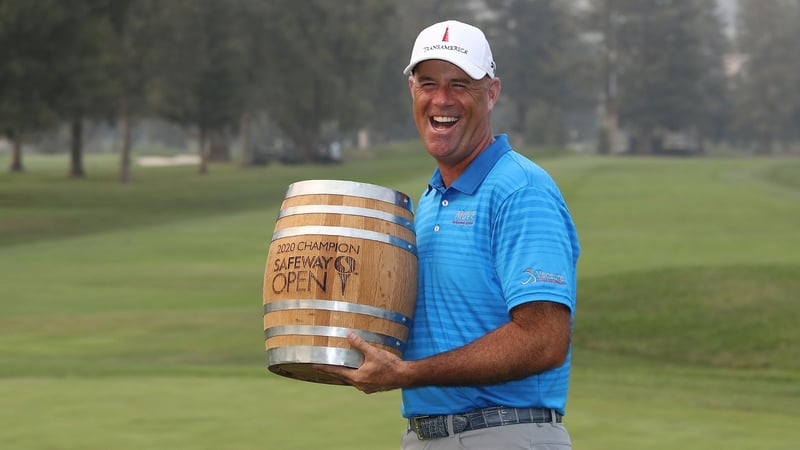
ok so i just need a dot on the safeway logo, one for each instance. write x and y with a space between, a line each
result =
446 37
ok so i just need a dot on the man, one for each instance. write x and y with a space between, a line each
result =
488 359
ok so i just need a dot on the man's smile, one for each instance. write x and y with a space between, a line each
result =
443 122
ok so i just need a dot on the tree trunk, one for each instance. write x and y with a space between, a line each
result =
76 149
217 146
641 141
244 133
305 142
125 141
521 125
609 146
555 129
648 141
310 138
764 144
363 138
610 120
201 151
16 155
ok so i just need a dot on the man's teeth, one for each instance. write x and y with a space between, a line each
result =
444 119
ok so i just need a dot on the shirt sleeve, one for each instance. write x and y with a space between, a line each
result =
535 250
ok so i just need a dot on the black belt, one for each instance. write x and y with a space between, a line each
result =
434 427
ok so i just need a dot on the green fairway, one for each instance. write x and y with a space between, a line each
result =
130 315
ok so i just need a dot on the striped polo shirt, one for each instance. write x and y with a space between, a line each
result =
499 236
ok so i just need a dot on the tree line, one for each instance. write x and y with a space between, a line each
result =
644 71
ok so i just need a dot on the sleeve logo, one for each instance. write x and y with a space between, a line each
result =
540 276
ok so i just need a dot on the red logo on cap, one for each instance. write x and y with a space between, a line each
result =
446 38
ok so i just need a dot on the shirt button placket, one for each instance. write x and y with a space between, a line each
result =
443 203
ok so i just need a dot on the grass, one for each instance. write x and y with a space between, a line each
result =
697 316
130 315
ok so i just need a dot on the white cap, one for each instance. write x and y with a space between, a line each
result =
457 43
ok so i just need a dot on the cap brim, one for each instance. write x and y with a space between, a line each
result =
474 72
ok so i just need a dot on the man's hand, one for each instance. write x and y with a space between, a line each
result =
380 370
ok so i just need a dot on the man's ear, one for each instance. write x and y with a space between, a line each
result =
494 92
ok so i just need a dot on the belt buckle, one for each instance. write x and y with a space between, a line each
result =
415 427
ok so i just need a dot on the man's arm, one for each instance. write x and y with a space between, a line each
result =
536 339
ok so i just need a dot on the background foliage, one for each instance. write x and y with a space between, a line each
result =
629 75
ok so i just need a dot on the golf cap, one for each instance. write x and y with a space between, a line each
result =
457 43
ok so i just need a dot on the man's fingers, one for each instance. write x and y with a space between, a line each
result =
358 342
350 375
369 377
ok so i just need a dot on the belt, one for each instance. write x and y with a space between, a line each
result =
434 427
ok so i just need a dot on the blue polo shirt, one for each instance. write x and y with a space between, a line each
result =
499 236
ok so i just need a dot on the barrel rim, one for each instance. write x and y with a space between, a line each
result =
347 211
338 306
310 354
337 332
349 188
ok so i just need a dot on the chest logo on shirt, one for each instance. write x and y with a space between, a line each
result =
540 276
464 218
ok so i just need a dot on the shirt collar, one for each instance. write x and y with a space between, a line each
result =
477 170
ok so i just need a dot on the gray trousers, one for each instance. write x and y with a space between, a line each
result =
529 436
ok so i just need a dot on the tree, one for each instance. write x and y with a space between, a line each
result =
323 67
130 52
668 55
252 15
88 89
537 50
389 98
768 86
31 35
602 17
715 95
200 81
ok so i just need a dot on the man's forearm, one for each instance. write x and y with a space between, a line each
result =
537 339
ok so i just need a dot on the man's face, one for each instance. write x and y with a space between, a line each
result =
452 111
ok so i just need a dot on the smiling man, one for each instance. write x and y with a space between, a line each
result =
488 358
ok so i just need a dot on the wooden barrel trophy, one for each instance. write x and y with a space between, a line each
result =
343 257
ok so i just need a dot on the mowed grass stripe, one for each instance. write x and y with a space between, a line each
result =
735 316
610 409
44 204
193 412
